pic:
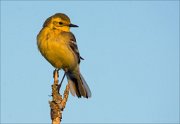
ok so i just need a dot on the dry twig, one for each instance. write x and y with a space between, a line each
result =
58 103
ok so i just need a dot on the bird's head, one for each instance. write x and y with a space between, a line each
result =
59 21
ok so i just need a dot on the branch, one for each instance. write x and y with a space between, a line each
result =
58 103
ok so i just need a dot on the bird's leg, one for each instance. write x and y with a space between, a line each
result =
59 86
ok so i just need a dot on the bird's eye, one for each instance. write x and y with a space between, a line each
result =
60 23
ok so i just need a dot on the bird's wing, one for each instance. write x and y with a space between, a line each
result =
74 47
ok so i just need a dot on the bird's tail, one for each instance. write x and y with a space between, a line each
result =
78 85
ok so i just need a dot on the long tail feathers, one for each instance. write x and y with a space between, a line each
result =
78 85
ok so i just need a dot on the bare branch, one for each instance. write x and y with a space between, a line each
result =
58 103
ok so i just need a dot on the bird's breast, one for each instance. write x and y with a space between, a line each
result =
56 50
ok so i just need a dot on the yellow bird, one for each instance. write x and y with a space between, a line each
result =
59 47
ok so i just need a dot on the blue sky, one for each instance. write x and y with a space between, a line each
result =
131 65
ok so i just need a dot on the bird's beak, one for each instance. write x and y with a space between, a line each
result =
72 25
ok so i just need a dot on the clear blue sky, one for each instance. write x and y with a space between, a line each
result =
131 52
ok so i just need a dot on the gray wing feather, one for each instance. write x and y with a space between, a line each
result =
74 47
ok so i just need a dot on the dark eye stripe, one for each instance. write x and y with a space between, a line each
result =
60 23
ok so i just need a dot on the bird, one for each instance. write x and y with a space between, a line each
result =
58 46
